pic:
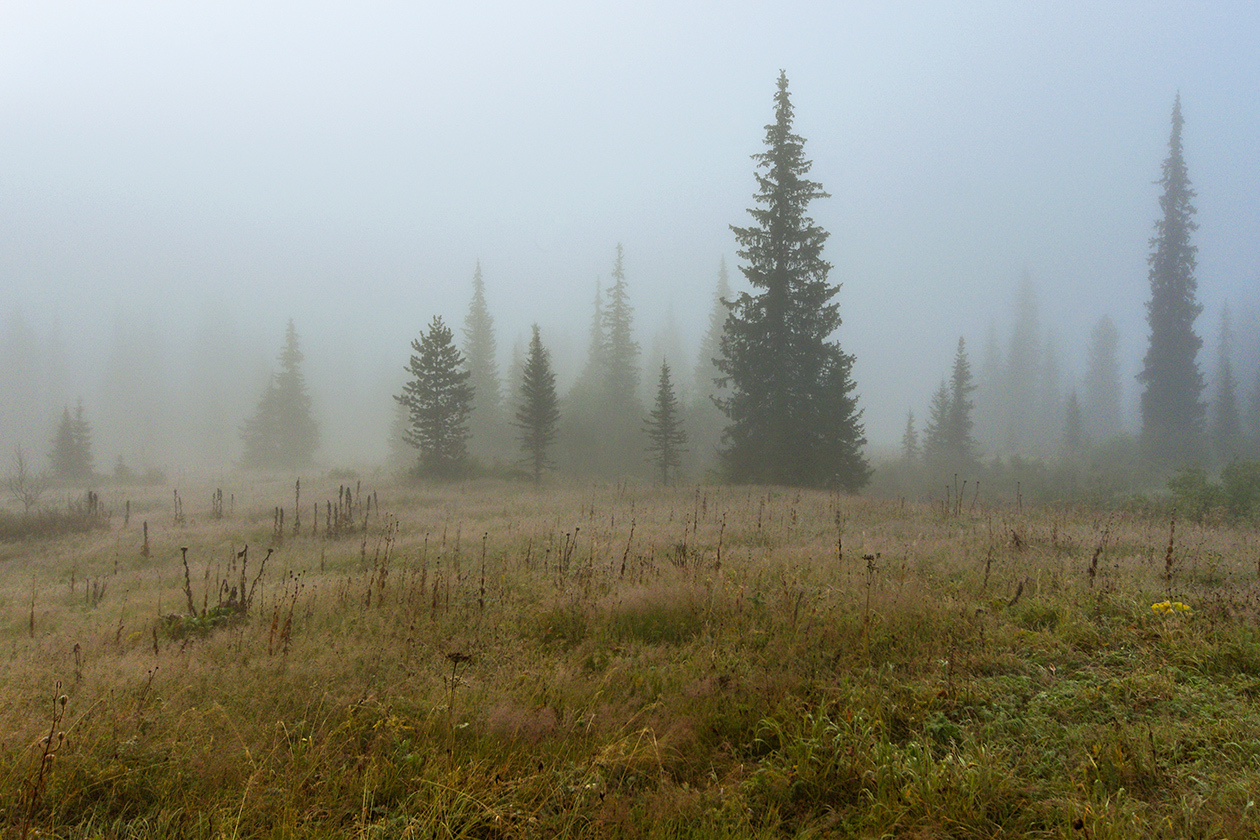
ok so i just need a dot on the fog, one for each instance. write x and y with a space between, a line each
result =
177 183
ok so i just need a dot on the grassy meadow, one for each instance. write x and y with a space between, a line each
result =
493 660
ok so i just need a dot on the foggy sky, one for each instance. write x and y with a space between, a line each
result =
346 165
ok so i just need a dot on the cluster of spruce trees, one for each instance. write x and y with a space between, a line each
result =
775 398
1017 407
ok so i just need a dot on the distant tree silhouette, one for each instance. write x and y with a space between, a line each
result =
1172 408
1073 427
948 438
1100 408
705 419
480 351
910 440
538 412
666 436
1226 426
439 401
282 432
793 415
71 454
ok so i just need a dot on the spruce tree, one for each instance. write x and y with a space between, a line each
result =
282 432
480 351
793 415
704 419
910 440
71 454
621 351
936 449
1172 408
959 439
1073 427
538 412
439 399
1100 409
666 436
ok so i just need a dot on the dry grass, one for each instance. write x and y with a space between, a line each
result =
489 660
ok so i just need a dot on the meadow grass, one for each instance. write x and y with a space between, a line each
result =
494 660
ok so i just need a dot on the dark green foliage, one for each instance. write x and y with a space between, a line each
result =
71 454
282 433
1172 409
664 429
621 351
1240 482
480 351
538 414
793 415
438 399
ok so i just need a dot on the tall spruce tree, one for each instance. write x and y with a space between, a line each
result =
480 352
936 451
439 399
792 409
621 351
538 412
1172 406
282 432
664 428
959 438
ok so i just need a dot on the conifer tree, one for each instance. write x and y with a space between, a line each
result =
480 352
664 428
1226 429
439 399
621 351
71 455
936 432
1172 408
1073 427
793 415
961 441
538 413
704 419
1100 411
282 432
910 440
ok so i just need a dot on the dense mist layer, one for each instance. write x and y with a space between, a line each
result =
178 184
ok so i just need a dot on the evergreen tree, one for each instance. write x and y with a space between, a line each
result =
71 455
538 412
621 351
664 428
480 351
704 419
1101 419
959 440
282 433
1172 409
793 414
1253 420
1226 429
936 433
910 440
1024 372
1073 427
439 400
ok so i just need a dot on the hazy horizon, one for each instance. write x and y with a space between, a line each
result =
177 184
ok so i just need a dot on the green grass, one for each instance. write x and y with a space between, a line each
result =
492 661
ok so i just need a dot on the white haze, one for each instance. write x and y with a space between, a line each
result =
178 180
